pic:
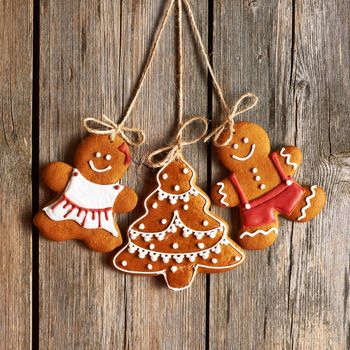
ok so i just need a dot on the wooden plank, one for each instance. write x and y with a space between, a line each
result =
91 54
16 35
294 295
158 318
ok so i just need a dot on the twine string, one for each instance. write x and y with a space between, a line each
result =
174 150
230 113
111 128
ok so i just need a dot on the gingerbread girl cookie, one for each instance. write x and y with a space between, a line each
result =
178 236
89 194
261 184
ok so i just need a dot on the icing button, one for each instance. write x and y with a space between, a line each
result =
254 170
257 178
262 186
247 206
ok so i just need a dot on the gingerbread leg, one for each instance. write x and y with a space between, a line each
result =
310 205
257 238
180 276
97 239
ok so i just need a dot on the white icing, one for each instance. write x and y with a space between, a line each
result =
151 246
88 197
288 156
235 146
97 154
205 223
253 234
175 197
124 263
173 269
185 171
154 205
175 246
247 206
141 226
191 256
224 195
164 221
92 166
164 176
177 222
201 245
254 170
257 178
149 267
262 186
246 140
237 258
308 202
185 207
252 149
177 188
214 261
289 182
108 157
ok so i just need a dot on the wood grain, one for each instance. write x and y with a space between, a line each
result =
288 297
293 54
16 35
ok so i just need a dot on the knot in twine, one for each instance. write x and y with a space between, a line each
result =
229 123
174 150
109 127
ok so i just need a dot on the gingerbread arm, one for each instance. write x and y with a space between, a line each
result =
224 194
56 176
290 158
126 201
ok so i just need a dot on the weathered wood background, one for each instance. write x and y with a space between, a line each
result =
68 59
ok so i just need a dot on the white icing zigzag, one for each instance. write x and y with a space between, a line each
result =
179 257
308 204
265 233
288 156
175 222
224 195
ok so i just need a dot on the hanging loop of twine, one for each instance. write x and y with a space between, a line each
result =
174 150
229 123
106 126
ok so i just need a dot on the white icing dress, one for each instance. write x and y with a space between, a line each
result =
87 203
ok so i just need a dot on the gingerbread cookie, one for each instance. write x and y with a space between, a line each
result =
261 184
178 236
89 194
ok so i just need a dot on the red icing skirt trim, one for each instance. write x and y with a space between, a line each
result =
69 203
282 198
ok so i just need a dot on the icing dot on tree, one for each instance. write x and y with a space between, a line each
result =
175 245
149 267
164 221
205 223
141 226
201 245
155 205
214 261
164 176
177 188
185 207
173 269
124 263
151 246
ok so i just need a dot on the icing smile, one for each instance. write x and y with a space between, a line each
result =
252 149
92 166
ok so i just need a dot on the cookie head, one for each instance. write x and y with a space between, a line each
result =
101 160
249 145
176 177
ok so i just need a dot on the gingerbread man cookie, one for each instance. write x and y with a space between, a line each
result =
178 236
261 184
89 194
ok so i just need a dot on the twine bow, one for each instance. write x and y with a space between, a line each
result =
229 123
109 127
174 150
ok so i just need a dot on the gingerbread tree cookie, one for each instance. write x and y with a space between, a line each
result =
261 185
88 194
178 236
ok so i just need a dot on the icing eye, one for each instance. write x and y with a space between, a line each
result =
235 146
246 140
97 154
108 157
